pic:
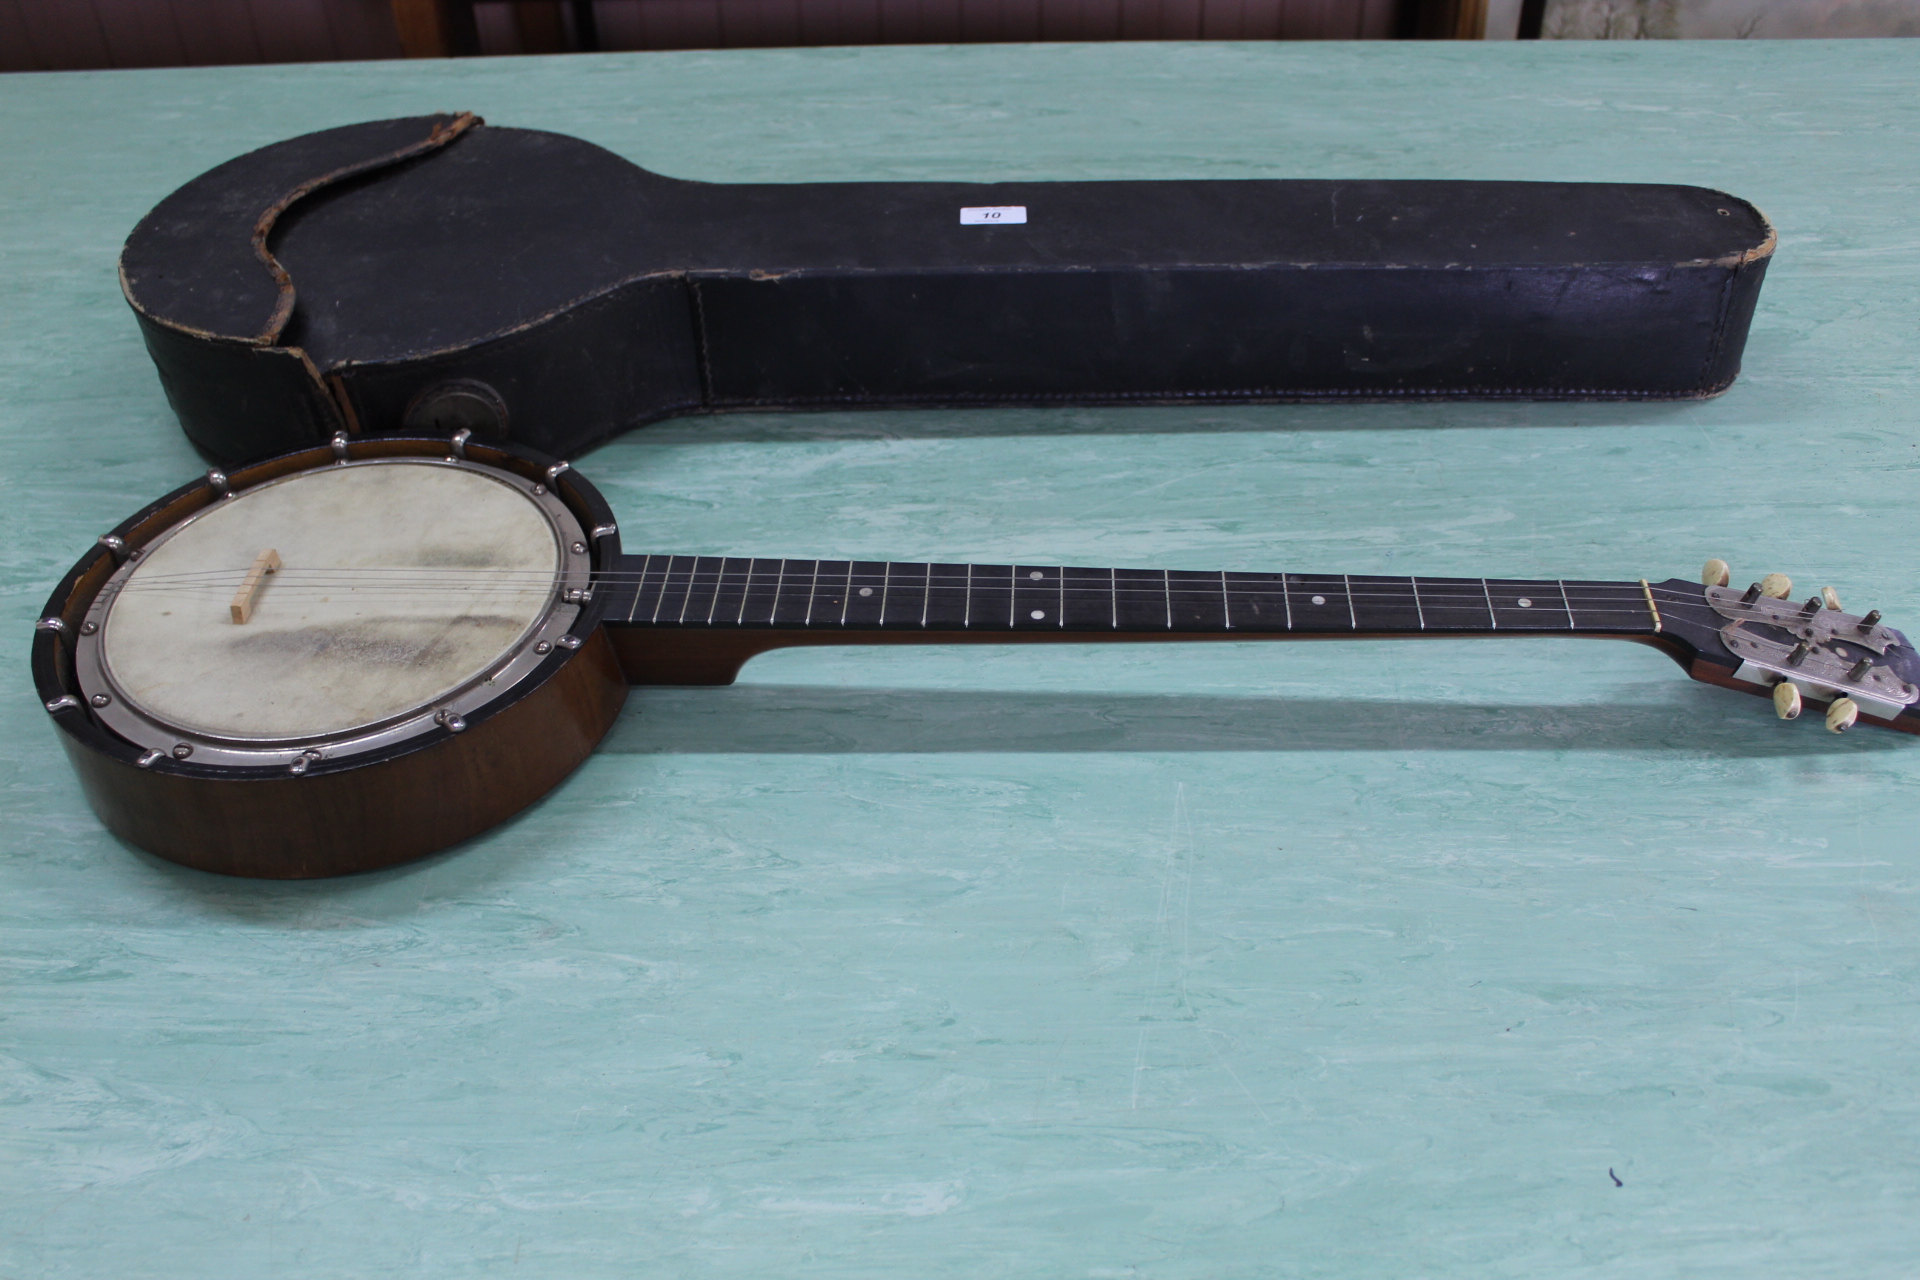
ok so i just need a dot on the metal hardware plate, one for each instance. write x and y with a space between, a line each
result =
1817 628
1823 672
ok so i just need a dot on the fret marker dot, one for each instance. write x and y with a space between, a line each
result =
1525 603
1036 575
1319 599
866 591
1038 614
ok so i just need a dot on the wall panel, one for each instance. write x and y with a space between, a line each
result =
141 33
363 29
16 52
292 30
77 34
65 33
218 32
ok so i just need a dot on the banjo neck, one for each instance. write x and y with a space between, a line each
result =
678 619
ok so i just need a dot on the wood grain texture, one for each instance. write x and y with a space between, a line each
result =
540 26
375 816
1178 961
422 26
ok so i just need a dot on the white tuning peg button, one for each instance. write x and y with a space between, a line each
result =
1842 714
1777 585
1832 598
1786 700
1716 573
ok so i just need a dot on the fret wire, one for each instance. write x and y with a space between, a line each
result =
926 596
1061 613
661 599
966 615
779 585
693 571
1113 595
746 589
846 597
1418 611
1346 585
813 589
1286 600
886 584
1493 623
686 601
1013 594
1226 605
1565 603
1166 585
640 586
718 580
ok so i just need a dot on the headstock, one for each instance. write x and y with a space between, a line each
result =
1762 641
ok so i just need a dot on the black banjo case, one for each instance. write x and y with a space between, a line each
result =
435 273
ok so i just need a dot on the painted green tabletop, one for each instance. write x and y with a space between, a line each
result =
1364 959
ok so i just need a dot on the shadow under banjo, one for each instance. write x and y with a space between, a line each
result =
350 656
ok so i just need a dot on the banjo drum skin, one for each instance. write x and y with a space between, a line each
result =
350 656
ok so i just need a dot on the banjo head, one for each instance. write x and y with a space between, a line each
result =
338 659
333 612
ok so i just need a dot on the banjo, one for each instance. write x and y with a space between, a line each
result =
350 656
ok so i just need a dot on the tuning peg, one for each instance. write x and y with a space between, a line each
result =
1777 585
1842 714
1832 598
1786 700
1716 573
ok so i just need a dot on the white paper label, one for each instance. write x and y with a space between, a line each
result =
993 215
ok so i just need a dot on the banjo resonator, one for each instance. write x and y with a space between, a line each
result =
357 654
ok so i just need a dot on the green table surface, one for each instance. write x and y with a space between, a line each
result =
1357 959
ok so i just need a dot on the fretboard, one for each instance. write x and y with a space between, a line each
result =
862 595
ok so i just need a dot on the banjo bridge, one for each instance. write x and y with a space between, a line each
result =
243 599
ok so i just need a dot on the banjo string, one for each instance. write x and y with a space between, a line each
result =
510 581
418 582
